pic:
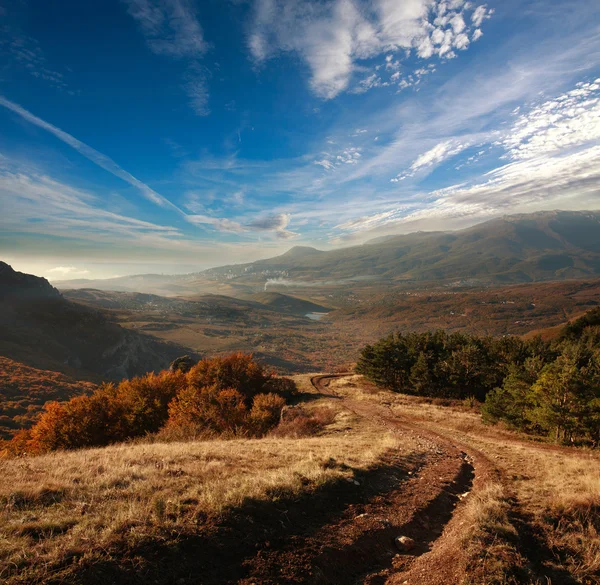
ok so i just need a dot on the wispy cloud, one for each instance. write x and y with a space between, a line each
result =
28 55
555 149
172 28
433 157
48 220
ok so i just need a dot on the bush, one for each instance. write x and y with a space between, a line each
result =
209 410
237 371
266 412
230 395
297 422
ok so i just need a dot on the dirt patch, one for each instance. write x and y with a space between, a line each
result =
246 541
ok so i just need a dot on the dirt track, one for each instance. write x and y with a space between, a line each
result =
343 532
416 498
359 547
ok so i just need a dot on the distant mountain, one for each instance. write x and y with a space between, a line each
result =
520 248
551 245
40 328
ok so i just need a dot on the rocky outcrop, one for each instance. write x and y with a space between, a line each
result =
24 286
182 364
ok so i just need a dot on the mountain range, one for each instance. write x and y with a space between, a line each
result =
552 245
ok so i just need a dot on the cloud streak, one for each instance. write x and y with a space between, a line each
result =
91 154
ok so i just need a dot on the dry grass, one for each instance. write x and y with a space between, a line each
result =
490 539
557 488
77 504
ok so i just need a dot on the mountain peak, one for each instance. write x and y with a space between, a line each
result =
300 252
18 284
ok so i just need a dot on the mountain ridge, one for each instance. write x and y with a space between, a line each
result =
42 329
550 245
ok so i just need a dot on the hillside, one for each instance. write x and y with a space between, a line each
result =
552 245
331 507
520 248
288 304
25 390
42 329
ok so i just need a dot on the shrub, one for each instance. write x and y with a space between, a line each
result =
145 401
266 412
237 371
227 395
297 422
208 410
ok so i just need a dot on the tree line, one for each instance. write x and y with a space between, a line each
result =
549 388
223 396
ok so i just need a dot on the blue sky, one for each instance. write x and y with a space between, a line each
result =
175 135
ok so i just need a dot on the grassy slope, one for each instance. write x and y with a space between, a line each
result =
92 503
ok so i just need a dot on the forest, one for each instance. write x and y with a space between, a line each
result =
544 388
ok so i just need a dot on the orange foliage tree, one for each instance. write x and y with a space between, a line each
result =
232 395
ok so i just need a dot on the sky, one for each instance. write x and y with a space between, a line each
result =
170 136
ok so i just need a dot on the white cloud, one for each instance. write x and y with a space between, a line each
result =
480 14
572 119
333 36
458 24
348 156
433 157
477 34
368 83
461 41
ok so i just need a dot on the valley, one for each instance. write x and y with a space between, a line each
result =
275 326
120 469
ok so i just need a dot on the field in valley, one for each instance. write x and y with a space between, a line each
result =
275 326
